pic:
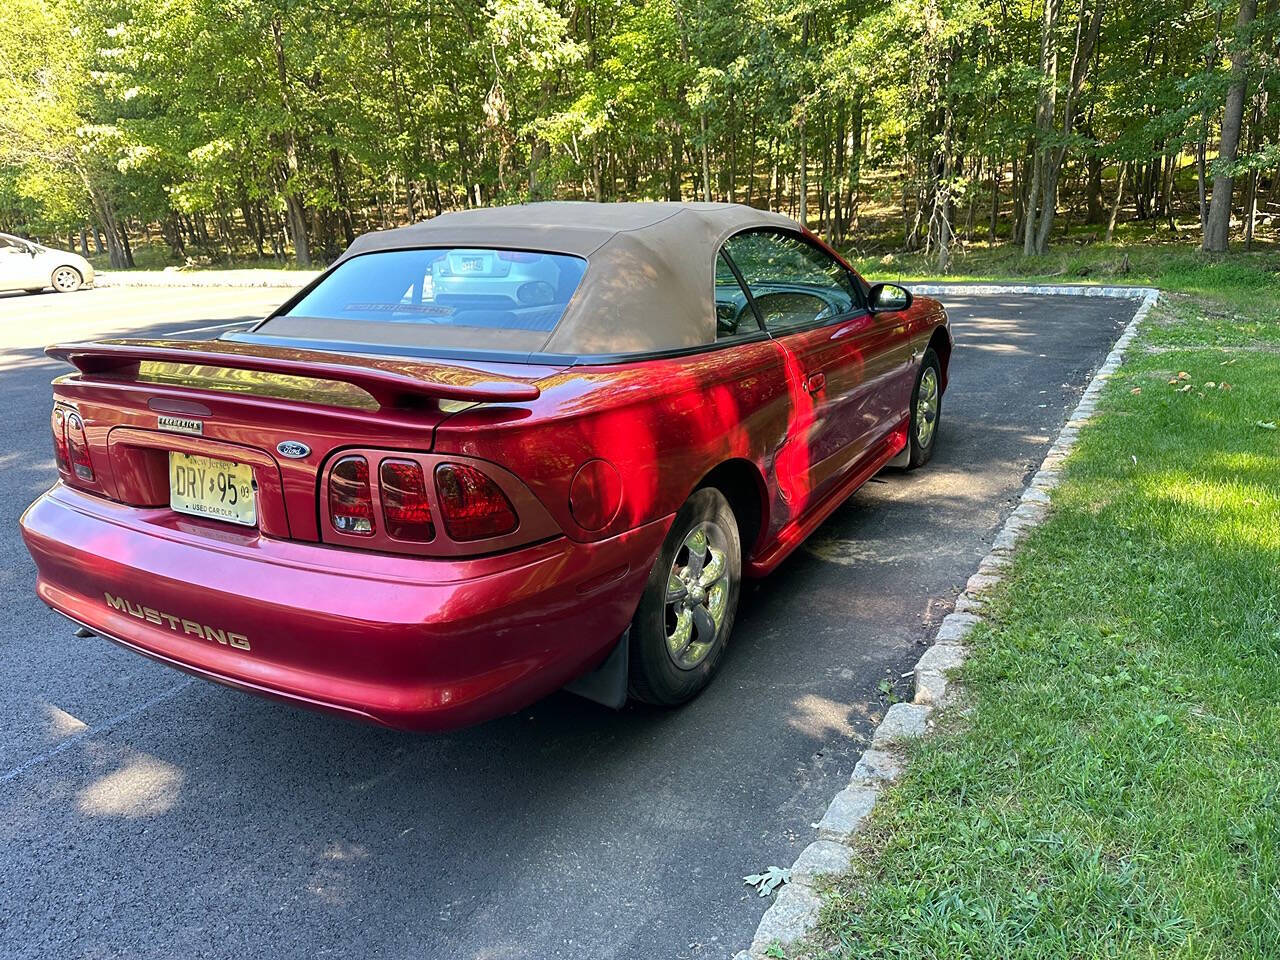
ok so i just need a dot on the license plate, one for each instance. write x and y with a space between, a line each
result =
206 487
471 264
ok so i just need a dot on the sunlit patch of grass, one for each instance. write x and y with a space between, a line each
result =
1115 789
1197 322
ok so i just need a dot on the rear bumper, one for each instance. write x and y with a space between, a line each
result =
407 642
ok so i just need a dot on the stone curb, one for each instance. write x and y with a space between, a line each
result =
1044 289
794 912
290 279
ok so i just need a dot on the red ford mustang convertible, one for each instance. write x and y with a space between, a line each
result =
483 458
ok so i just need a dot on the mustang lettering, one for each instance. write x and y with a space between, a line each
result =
178 624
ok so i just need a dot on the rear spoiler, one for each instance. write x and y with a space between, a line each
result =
386 380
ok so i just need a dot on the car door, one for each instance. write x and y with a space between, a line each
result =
15 265
846 364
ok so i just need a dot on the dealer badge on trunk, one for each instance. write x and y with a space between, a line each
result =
181 425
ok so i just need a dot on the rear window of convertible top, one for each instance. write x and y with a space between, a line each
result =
459 287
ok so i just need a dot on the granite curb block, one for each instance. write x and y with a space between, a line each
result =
285 279
794 911
1044 289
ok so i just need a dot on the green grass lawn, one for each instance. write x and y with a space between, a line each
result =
1110 785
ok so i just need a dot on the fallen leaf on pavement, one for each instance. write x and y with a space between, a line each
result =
768 881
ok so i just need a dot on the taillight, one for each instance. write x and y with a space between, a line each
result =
405 507
60 453
472 505
78 447
350 499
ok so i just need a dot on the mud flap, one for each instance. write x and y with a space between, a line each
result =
607 683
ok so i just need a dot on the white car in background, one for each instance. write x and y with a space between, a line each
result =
32 267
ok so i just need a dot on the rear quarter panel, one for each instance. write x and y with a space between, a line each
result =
664 424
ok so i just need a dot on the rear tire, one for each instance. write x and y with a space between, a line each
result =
686 613
66 280
926 411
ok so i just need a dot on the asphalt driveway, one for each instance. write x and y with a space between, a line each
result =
146 814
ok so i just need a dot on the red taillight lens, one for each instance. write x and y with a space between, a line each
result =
350 499
58 422
472 505
404 501
78 447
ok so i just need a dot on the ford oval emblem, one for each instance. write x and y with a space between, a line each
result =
293 449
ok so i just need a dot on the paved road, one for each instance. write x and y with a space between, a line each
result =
146 814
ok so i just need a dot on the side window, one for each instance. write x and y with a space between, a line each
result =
734 316
794 283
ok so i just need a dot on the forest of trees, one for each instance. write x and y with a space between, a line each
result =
232 128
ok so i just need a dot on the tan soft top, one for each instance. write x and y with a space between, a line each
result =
648 285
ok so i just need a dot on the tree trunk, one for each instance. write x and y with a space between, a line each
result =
252 224
126 250
854 167
1044 119
673 172
804 178
1016 191
1115 207
1202 146
1251 190
1167 195
118 256
293 203
343 197
1086 40
1096 208
1218 222
706 157
995 199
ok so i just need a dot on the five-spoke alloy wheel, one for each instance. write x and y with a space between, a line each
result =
686 613
926 410
697 595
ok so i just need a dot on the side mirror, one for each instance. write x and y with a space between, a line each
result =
888 297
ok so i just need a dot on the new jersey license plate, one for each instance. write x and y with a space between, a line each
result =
206 487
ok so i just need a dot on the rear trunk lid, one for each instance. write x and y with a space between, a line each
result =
281 411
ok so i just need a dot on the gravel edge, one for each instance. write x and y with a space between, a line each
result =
794 911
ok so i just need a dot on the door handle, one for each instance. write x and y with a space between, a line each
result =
815 383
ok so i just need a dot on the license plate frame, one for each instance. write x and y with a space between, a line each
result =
212 488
